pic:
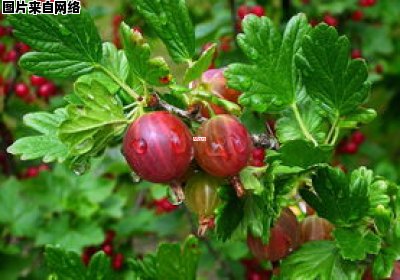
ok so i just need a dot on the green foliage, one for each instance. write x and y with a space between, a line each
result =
271 82
171 22
65 46
199 66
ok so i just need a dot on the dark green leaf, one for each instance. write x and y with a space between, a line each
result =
64 46
170 20
99 267
66 265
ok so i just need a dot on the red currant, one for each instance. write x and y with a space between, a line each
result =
357 15
21 90
163 205
158 146
22 48
118 261
257 10
2 49
227 147
331 20
31 172
37 80
315 228
107 249
350 148
358 137
243 11
46 90
87 254
110 235
11 56
356 53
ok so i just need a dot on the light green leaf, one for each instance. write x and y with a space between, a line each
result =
115 61
271 82
332 79
199 66
171 22
47 146
142 66
249 179
64 46
357 117
99 267
355 244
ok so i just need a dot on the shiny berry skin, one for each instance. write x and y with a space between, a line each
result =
11 56
201 194
356 53
315 228
21 90
227 148
284 238
118 261
331 20
358 137
37 80
107 249
215 81
257 10
46 90
357 15
158 146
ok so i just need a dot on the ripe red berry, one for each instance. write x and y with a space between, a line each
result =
350 148
356 53
10 56
331 20
357 15
284 238
227 147
21 90
37 80
158 146
22 48
315 228
46 90
31 172
2 49
313 22
358 137
87 254
118 261
165 80
163 205
110 235
367 3
258 154
257 10
243 11
215 81
107 249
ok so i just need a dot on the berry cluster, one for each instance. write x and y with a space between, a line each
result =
108 248
33 171
351 144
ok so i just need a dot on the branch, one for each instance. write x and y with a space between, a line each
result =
193 115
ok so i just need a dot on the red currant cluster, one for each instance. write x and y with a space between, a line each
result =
33 171
351 144
163 205
108 248
44 89
254 270
245 10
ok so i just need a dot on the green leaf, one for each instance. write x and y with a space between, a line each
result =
89 127
146 69
47 146
310 155
343 201
144 269
171 22
115 61
357 117
355 244
99 267
64 46
288 128
317 260
66 265
201 65
271 82
249 179
332 79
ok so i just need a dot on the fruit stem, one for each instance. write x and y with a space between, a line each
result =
204 224
265 140
237 185
156 102
119 82
332 131
178 191
302 125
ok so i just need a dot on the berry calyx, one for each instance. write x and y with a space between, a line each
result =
227 147
21 90
158 147
37 80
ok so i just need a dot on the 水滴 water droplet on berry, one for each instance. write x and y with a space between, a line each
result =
139 146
